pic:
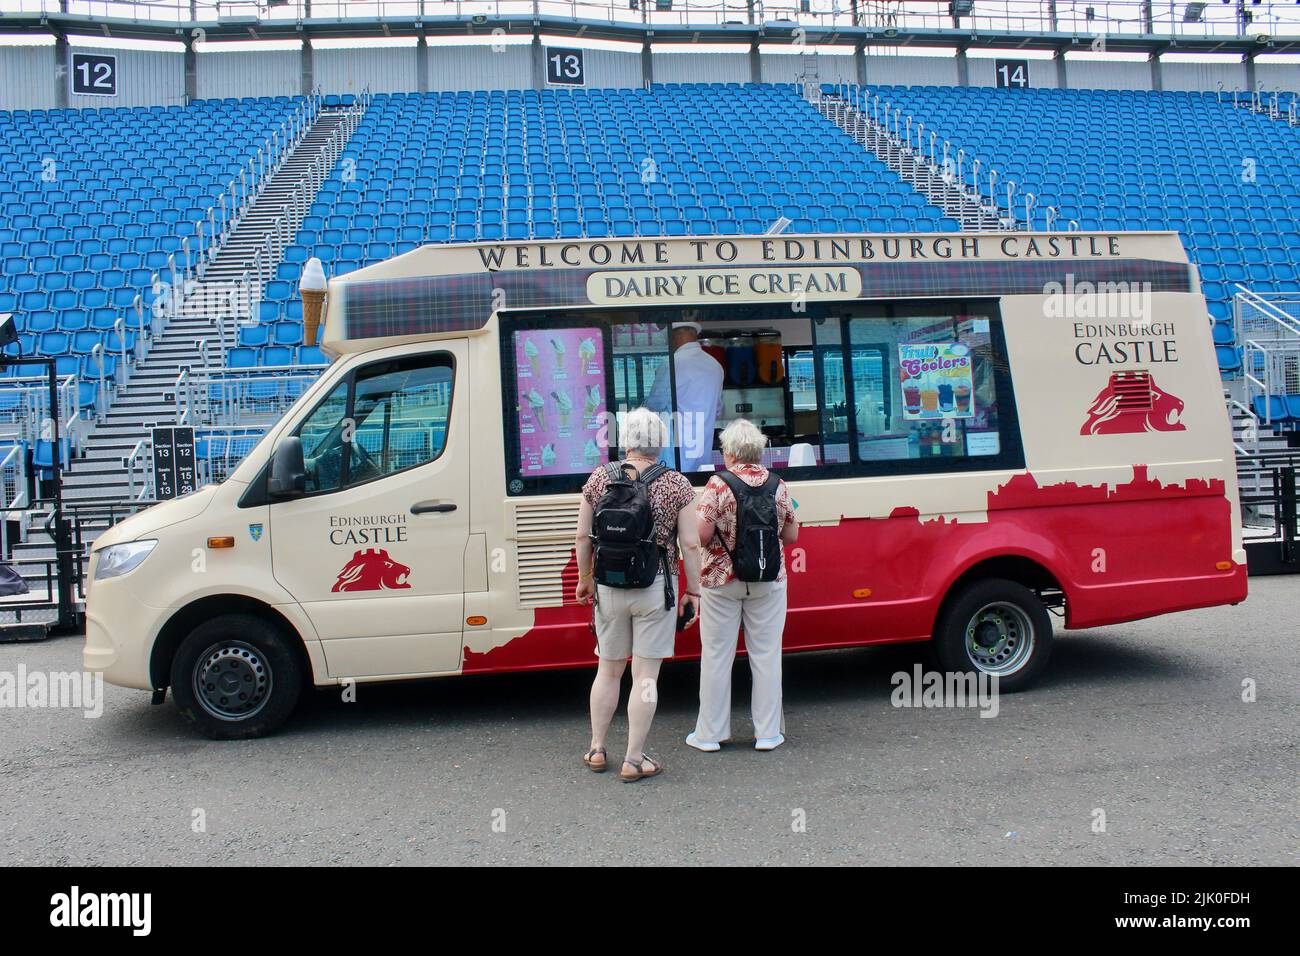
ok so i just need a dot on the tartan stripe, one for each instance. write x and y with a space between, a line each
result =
464 302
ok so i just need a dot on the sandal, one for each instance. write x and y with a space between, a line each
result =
595 760
640 771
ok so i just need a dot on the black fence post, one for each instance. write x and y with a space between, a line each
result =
1287 511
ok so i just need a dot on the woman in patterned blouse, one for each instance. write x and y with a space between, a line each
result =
726 602
634 622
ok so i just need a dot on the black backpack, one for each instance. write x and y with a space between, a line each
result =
623 532
757 556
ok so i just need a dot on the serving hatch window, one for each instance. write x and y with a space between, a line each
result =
840 390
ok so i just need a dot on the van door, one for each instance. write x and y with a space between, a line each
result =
374 551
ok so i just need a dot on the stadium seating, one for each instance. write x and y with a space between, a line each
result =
94 201
671 160
1224 178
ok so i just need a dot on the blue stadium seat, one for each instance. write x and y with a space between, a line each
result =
75 253
254 336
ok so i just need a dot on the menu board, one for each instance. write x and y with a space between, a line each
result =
936 380
560 381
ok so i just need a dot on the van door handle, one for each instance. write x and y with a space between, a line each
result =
432 506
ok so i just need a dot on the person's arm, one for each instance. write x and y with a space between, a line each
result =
706 513
689 541
705 528
586 590
658 399
790 533
790 530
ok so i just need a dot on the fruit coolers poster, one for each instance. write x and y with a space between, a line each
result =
560 381
936 380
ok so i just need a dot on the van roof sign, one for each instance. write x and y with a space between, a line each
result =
444 289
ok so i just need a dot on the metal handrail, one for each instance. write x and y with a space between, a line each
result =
1290 325
15 458
1253 426
180 395
139 455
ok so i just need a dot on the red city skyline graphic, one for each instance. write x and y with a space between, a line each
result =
908 563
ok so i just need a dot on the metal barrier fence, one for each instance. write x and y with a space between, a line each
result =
1117 17
25 408
1267 329
1269 508
218 453
239 397
1263 317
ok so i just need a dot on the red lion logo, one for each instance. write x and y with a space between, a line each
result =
372 570
1131 402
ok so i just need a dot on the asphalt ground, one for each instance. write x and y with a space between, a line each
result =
1136 748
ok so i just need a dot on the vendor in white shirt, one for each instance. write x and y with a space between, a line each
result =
699 398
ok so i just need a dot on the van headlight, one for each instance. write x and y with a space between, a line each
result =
119 559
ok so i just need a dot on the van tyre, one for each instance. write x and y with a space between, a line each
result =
995 626
236 676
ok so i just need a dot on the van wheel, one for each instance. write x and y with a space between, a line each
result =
236 676
994 626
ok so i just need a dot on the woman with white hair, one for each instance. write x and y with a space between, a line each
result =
635 622
742 587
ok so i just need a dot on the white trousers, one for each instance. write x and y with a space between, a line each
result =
722 611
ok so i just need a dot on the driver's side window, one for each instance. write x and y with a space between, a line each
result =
324 441
386 417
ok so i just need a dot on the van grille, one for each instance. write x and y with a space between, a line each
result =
544 552
1132 391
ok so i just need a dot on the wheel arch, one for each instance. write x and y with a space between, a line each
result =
1024 569
180 624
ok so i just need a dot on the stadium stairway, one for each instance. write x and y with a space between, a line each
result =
103 480
258 224
938 188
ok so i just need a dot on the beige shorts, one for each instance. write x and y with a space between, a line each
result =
634 621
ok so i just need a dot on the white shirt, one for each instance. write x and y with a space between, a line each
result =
699 399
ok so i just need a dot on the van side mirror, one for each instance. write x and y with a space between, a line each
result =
288 477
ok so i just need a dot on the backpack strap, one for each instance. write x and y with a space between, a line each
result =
735 483
614 470
654 471
657 470
670 601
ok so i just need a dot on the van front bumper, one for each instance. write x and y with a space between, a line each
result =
119 640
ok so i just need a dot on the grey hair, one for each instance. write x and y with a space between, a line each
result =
642 432
743 441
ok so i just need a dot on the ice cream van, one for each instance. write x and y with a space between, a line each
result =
982 432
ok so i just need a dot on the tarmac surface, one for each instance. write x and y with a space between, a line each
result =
1136 748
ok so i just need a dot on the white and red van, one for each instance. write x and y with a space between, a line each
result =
978 429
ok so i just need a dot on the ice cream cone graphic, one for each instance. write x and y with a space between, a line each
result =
538 405
592 401
564 405
312 288
559 348
586 352
530 350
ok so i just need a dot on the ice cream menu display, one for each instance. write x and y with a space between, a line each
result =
560 381
936 380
